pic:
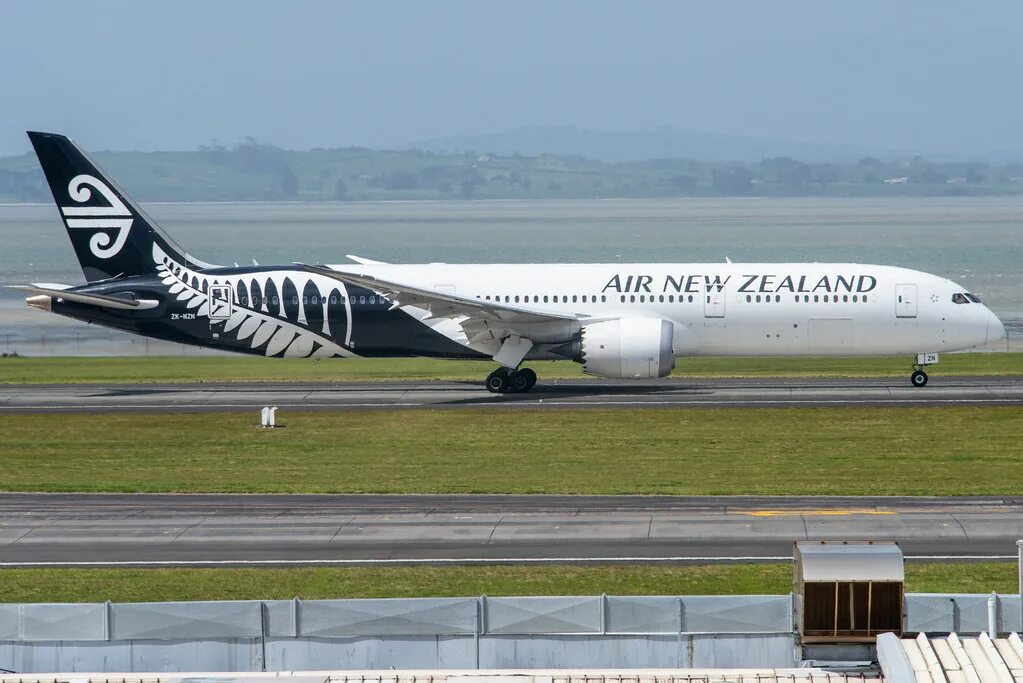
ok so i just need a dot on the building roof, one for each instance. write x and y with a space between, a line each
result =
850 561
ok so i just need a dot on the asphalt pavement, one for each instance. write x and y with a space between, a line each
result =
563 394
243 530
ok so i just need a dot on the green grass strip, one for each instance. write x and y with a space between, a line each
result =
211 368
140 585
769 451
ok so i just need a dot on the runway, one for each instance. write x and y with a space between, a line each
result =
243 530
564 394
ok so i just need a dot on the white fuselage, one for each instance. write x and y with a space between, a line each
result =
770 309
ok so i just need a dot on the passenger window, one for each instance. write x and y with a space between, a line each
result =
584 298
516 298
816 298
864 298
275 301
661 298
777 298
671 298
623 298
603 298
294 299
749 298
632 298
545 298
845 298
690 298
316 300
825 298
806 298
372 299
507 298
758 299
362 299
855 298
555 298
642 299
536 299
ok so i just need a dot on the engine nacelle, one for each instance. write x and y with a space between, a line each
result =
633 348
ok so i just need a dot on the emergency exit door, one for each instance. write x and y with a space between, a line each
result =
905 301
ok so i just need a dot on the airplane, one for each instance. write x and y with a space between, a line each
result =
619 320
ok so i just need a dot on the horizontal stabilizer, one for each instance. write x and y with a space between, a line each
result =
364 261
91 299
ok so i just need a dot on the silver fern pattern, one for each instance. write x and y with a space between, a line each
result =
256 319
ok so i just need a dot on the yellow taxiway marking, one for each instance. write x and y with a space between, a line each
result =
816 513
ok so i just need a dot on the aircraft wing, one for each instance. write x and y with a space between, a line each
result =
444 304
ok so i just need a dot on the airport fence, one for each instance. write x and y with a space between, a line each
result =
436 633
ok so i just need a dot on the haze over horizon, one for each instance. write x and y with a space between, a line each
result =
934 78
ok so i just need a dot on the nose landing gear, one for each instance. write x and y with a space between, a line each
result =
507 380
919 377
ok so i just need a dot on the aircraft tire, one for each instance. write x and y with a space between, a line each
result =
918 378
530 378
499 381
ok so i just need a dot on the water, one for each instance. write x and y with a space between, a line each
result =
978 242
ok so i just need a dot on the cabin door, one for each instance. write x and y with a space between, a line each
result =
220 303
905 301
714 301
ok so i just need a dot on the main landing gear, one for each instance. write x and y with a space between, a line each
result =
507 380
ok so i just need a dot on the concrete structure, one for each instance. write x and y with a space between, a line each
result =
599 632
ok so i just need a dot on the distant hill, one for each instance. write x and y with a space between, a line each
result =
251 171
658 143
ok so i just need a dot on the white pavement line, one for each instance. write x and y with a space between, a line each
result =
466 560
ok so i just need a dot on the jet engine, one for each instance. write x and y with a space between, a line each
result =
633 348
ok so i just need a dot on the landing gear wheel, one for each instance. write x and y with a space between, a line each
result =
530 378
918 378
499 381
519 383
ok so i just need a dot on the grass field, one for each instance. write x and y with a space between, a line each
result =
138 585
851 451
242 368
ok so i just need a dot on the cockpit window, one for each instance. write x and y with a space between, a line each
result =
973 297
959 298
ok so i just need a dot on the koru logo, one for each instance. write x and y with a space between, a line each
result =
101 218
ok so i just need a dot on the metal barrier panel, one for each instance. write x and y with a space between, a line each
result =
10 619
579 651
741 650
643 614
423 616
543 615
962 613
64 621
186 620
737 614
280 617
400 652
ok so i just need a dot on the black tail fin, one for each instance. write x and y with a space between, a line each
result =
111 235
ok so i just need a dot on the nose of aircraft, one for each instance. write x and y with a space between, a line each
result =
995 328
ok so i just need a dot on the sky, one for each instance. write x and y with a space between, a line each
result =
926 75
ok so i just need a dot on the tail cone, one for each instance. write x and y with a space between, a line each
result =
41 301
